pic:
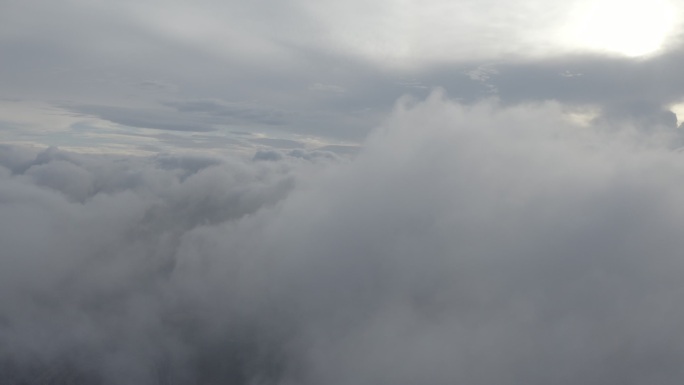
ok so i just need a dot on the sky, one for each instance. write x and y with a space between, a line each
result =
345 193
148 76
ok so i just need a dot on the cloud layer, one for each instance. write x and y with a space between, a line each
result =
148 75
465 244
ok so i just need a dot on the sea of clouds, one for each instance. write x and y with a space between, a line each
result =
477 244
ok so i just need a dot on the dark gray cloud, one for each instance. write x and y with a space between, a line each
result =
308 155
200 116
581 79
240 112
464 244
342 150
144 118
201 141
278 143
642 113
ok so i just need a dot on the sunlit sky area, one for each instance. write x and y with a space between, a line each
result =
145 76
631 28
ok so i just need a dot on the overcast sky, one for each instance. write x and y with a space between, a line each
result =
346 193
148 76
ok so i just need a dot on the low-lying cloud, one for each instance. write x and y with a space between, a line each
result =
464 244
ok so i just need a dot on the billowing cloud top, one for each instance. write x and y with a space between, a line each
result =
466 243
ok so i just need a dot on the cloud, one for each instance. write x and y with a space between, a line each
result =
327 88
237 112
298 153
189 116
464 244
278 143
326 70
348 150
641 113
144 118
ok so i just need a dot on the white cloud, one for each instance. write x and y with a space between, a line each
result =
464 244
634 28
407 33
678 109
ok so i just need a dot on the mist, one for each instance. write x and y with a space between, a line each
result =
467 244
